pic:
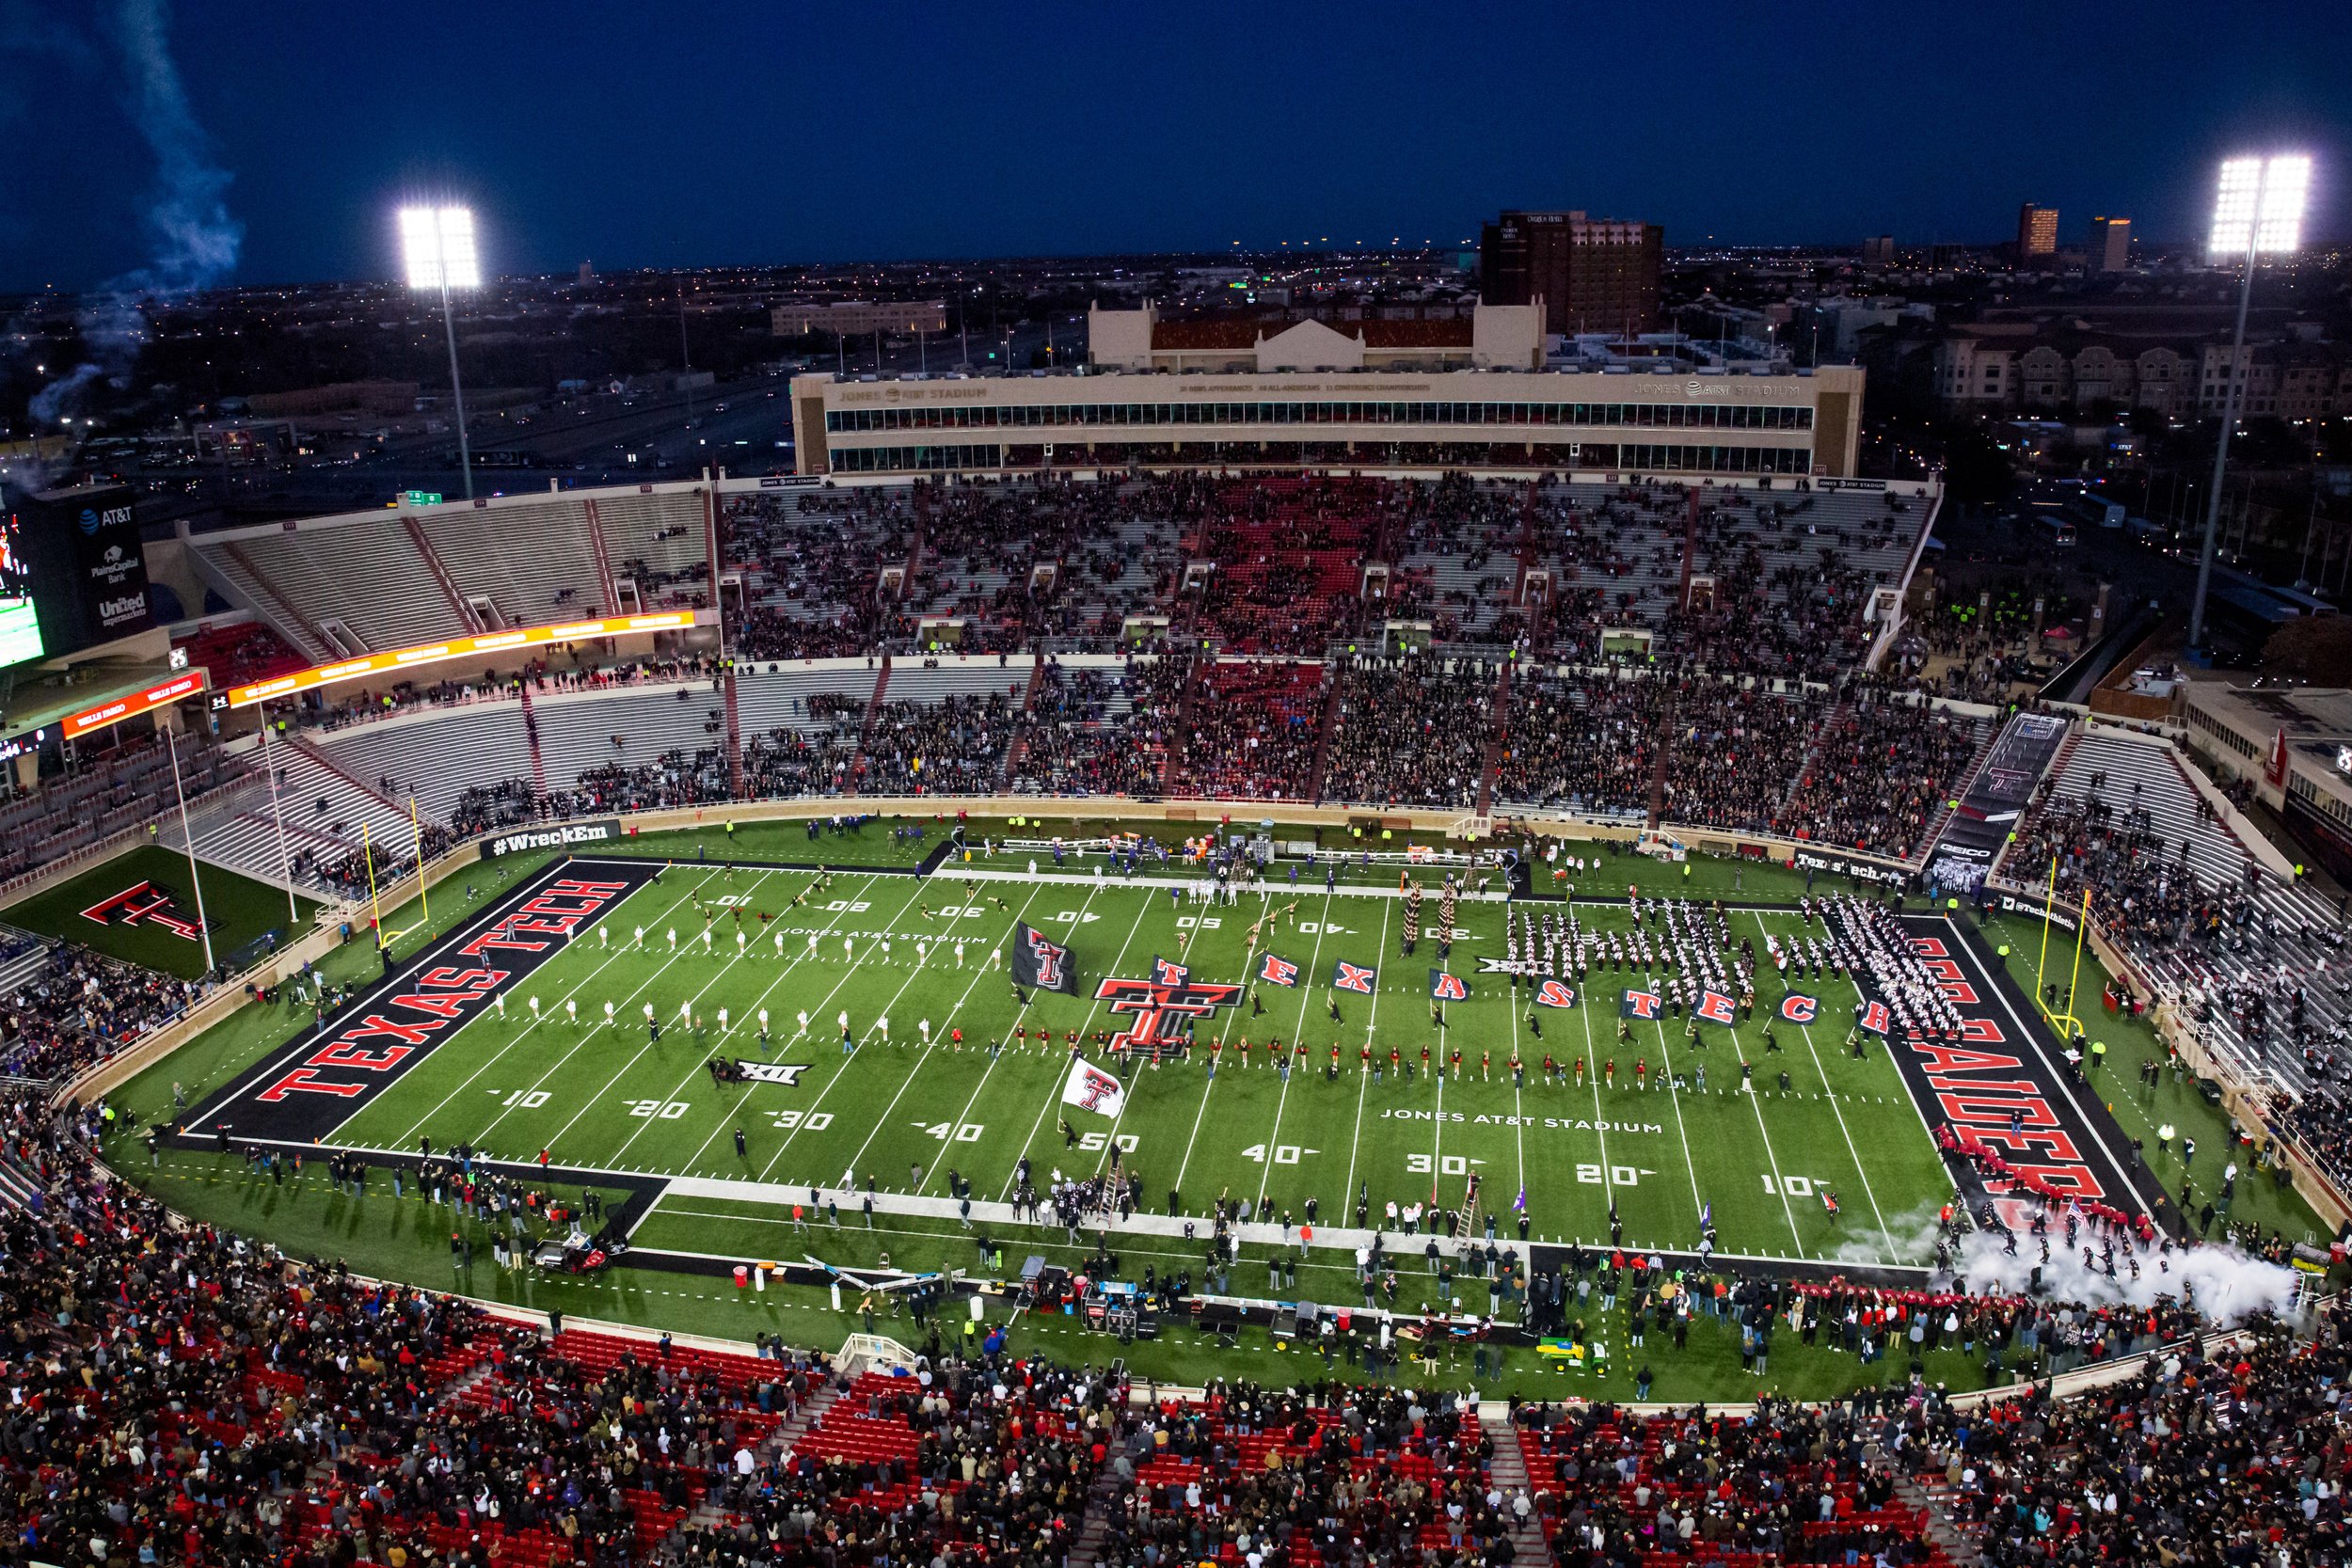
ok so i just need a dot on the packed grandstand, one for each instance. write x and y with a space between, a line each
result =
1718 661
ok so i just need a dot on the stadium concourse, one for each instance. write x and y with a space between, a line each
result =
1721 660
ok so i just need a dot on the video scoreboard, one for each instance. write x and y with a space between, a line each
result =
71 573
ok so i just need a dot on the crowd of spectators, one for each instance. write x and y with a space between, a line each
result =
1411 731
1581 744
2208 1456
1250 730
179 1394
1079 741
952 746
1883 766
80 1007
1733 753
483 808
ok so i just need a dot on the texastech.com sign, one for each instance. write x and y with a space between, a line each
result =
305 1093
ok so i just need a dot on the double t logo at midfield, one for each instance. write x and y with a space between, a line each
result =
1171 993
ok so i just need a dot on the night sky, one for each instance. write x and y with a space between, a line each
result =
694 134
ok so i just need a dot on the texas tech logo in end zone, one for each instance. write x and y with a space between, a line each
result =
146 904
1163 1006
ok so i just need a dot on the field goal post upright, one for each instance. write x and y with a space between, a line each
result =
2064 1021
385 939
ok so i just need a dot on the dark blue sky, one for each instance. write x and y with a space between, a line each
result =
690 134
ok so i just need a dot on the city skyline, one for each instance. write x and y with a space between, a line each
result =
772 135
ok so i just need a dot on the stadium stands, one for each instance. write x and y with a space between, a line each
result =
102 794
1251 729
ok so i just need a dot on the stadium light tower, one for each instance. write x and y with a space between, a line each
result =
2257 211
438 243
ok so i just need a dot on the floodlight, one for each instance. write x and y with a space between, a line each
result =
437 243
2258 205
2257 211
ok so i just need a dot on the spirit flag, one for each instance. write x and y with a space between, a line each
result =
1041 963
1090 1089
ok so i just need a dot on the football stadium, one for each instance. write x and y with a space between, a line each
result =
965 1014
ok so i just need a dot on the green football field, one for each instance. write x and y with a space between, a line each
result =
238 908
909 1116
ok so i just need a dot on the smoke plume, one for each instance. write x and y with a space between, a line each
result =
195 239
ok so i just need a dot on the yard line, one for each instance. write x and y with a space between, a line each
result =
790 964
1673 1097
1861 1170
1518 1108
1273 1139
841 1073
501 1054
996 1054
1356 1142
915 1071
1600 1118
1053 1095
1780 1183
640 1053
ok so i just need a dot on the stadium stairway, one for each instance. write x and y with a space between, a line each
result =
287 619
1086 1548
310 748
1020 746
1943 1532
1663 728
1490 766
1832 722
440 569
539 761
1324 730
865 727
735 736
1944 814
1511 1474
604 562
1176 734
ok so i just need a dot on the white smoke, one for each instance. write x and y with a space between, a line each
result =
2226 1285
196 239
1909 1235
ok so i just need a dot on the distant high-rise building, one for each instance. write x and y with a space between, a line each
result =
1593 275
2110 246
1879 251
2037 231
587 273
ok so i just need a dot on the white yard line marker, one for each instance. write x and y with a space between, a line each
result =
1356 1142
